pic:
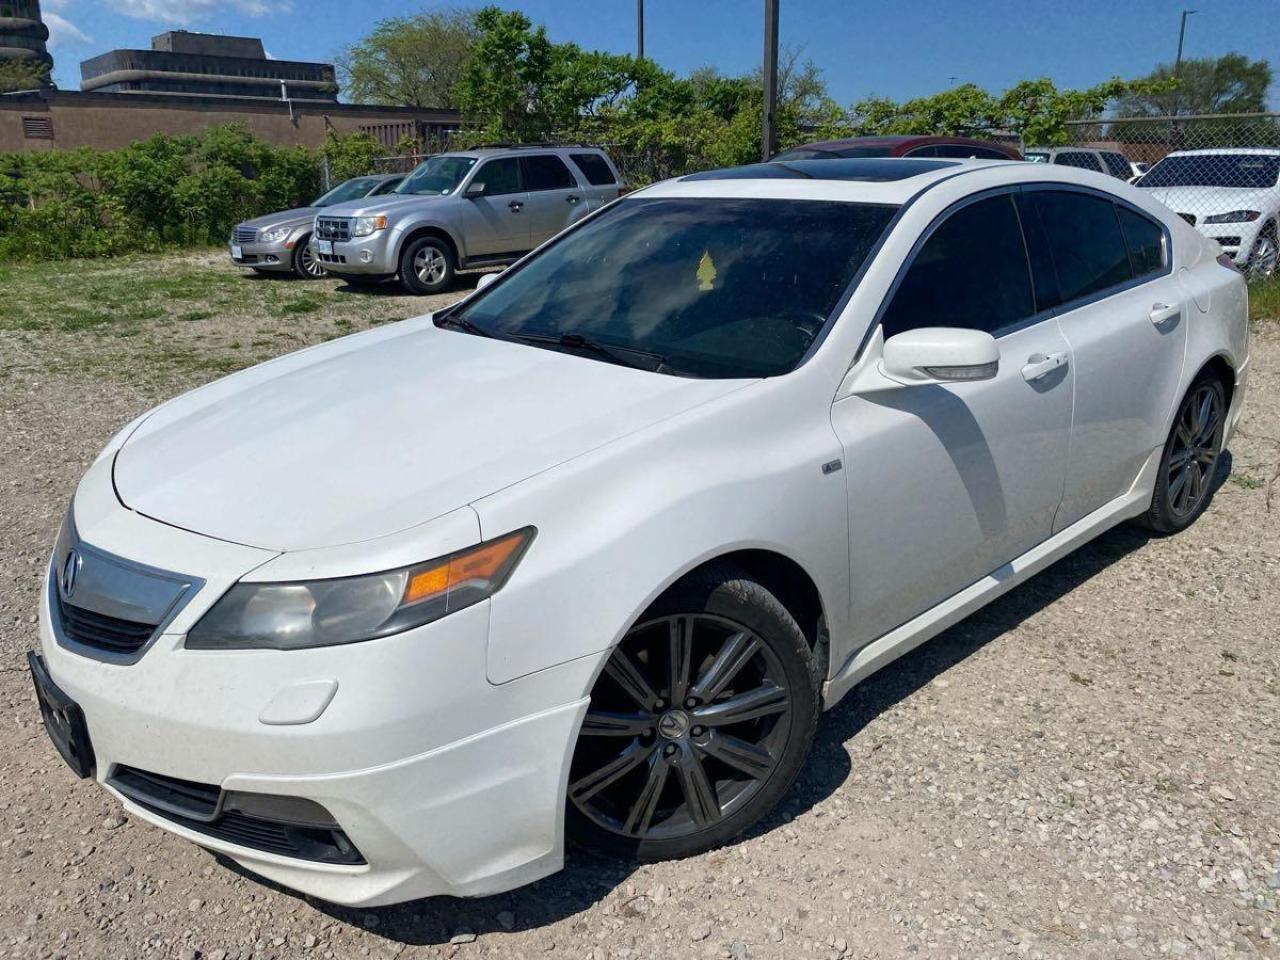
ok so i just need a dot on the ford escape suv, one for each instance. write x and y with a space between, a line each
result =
473 208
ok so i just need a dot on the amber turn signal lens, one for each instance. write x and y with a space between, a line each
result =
488 563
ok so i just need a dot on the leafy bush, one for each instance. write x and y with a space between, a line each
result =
165 191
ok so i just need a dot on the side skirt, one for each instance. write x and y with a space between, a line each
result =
913 633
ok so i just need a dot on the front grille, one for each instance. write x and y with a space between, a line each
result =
198 807
248 258
1189 217
333 228
244 235
1228 241
331 258
101 631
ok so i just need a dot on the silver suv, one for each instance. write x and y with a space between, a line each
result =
471 208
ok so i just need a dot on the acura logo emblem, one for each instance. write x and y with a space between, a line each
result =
70 568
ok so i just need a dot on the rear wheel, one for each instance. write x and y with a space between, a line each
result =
305 264
699 723
427 266
1190 458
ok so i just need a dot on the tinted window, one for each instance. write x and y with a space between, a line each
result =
546 172
347 190
1044 278
1252 170
387 187
1145 240
717 287
499 177
1088 248
594 168
971 272
964 152
1117 165
930 151
1076 158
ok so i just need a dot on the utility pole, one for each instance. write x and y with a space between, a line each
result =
639 29
1182 35
770 132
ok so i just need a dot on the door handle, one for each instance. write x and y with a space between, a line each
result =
1162 312
572 198
1040 365
515 206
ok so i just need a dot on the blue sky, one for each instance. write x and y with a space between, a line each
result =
895 49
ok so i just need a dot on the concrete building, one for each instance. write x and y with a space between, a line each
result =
202 64
23 36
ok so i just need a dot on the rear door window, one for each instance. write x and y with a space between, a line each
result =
1089 250
546 172
1078 158
1145 240
594 168
971 273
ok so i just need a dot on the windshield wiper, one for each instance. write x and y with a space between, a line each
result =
462 323
576 341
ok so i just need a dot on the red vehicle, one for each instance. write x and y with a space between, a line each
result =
961 148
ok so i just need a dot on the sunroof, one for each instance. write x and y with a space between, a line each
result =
877 170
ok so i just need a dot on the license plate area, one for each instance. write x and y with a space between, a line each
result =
237 252
325 247
63 720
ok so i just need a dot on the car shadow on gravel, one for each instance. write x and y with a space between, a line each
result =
588 877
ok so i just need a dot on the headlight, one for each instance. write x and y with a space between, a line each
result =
1234 216
321 613
364 226
276 235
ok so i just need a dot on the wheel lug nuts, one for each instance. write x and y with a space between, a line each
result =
697 731
691 702
669 749
659 705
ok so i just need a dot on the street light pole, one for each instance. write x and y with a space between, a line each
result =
639 29
769 139
1182 35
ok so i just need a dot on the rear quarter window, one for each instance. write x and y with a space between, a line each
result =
1145 240
595 168
1089 250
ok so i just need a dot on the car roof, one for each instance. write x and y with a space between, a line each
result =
872 180
1230 151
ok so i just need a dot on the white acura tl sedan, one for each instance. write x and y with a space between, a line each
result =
587 553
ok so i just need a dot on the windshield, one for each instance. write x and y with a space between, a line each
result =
719 288
437 176
348 190
1214 170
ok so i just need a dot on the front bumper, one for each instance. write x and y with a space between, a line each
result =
374 255
1236 239
445 783
263 256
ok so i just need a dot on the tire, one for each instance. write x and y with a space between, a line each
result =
1263 257
651 781
305 264
427 265
1184 484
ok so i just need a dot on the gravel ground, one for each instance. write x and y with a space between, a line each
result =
1087 768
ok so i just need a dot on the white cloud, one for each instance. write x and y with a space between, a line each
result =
183 12
62 31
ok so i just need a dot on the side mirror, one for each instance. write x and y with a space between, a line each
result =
485 280
474 189
940 355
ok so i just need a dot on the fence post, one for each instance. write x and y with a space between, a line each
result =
324 174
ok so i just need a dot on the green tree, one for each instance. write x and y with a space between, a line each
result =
410 61
18 75
1231 83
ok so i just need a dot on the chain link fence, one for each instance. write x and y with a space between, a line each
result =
1219 172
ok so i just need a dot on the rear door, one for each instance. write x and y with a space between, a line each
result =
1124 314
556 198
980 464
496 223
601 179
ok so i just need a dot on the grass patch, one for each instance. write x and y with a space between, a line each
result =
1264 300
1246 480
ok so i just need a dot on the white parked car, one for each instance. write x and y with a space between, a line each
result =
590 551
1232 196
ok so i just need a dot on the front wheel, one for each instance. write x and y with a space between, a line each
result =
305 263
1263 259
698 724
1185 480
427 266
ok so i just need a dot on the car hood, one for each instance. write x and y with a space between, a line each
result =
370 435
1206 201
375 205
283 218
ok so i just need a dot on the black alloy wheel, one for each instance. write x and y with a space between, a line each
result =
1190 460
698 723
